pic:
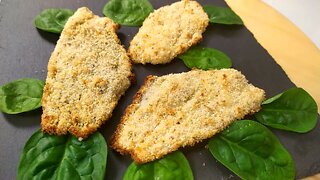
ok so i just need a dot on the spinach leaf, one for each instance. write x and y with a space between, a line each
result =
129 12
173 166
21 95
205 58
293 110
222 15
53 20
63 157
251 151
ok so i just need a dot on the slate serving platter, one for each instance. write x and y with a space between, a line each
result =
24 52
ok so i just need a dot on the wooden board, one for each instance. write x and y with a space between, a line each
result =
25 51
288 45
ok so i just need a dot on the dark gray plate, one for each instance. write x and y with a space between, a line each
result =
24 52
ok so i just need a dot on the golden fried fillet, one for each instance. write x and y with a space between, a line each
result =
88 71
178 110
168 32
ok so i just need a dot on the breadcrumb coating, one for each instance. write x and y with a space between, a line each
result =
168 32
178 110
88 71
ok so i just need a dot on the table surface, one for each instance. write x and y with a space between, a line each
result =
24 52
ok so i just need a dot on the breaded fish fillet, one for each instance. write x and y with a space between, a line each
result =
88 71
180 110
168 32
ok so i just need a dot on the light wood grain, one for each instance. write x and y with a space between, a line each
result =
314 177
289 46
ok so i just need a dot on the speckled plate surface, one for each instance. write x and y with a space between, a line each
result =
25 51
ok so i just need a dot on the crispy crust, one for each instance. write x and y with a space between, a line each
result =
88 72
136 99
145 150
168 32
